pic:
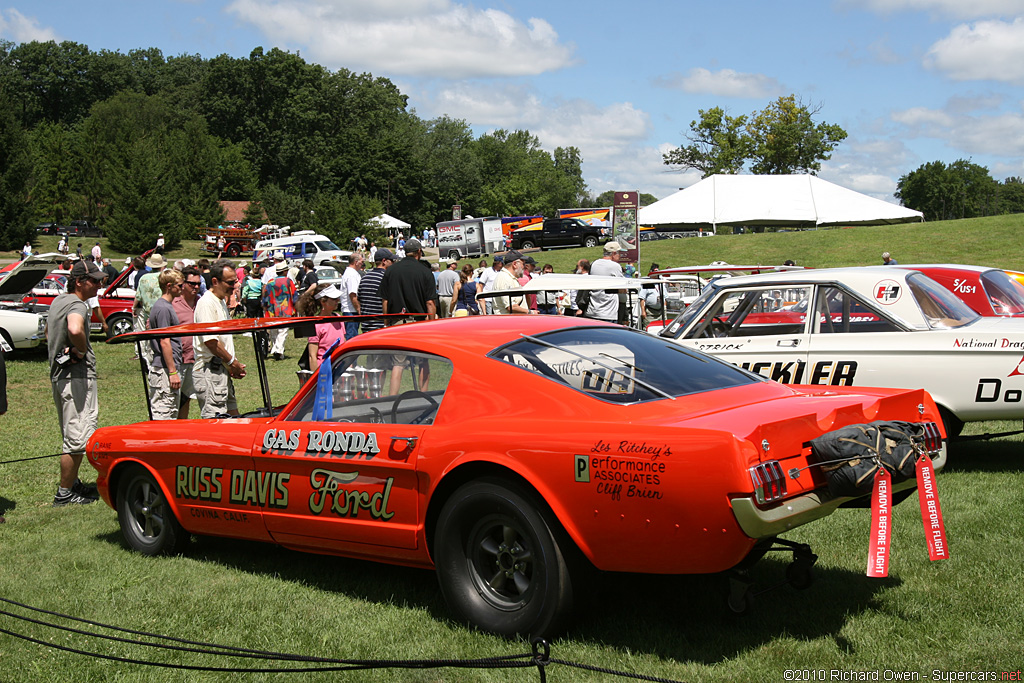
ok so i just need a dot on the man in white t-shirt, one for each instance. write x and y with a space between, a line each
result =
486 283
605 306
508 278
350 280
216 364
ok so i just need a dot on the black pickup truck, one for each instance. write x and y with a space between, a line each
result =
558 232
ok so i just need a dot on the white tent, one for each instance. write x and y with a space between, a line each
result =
778 200
391 223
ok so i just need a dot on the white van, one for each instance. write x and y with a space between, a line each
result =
299 246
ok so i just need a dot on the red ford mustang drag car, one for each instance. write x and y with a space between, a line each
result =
506 452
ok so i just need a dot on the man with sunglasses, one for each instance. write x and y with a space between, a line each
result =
216 364
185 308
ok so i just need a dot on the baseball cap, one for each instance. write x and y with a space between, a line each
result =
511 256
612 247
886 254
279 255
87 269
413 245
382 254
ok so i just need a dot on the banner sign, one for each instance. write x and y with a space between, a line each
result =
457 212
625 228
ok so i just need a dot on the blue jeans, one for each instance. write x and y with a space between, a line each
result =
351 328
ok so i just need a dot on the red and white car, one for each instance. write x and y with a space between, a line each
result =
989 291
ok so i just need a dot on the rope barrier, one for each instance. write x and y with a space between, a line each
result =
539 658
37 457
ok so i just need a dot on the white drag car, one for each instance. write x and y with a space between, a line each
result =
879 326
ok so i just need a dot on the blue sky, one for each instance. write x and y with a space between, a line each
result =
911 81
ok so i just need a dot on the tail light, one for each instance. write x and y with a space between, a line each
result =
932 437
769 481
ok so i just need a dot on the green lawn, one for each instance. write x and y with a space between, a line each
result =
963 614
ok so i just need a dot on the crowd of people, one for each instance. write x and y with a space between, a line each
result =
385 288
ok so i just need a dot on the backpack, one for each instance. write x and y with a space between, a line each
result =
851 456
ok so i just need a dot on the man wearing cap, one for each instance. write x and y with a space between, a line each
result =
73 375
159 244
370 302
408 286
216 364
486 282
887 260
279 297
605 306
447 281
508 278
148 292
279 264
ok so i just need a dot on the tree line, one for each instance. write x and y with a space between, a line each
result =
143 144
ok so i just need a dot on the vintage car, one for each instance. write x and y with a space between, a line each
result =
116 302
988 291
509 453
23 324
873 326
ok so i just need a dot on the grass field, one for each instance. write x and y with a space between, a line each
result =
962 614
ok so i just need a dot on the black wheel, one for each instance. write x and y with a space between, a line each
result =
234 250
146 519
454 255
7 338
953 424
499 561
119 324
527 244
740 604
413 394
590 242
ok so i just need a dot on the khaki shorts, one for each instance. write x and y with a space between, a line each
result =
162 399
188 388
77 411
215 391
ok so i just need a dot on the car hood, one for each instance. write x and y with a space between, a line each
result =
20 280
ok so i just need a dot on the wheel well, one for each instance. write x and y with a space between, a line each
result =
477 470
119 471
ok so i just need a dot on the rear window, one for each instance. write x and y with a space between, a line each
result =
1004 293
941 308
621 365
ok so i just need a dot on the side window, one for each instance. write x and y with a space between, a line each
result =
757 313
840 311
383 387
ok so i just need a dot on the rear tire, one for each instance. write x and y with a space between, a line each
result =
953 424
147 521
454 255
234 250
499 561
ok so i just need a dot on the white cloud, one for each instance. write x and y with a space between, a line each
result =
610 137
21 29
986 50
722 83
999 134
952 8
410 37
870 166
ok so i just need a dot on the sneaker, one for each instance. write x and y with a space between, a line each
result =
85 490
71 498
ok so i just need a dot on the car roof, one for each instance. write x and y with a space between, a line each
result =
854 275
949 266
553 282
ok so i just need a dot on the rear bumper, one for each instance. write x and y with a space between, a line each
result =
759 522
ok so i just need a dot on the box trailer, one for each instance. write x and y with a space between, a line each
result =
469 238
